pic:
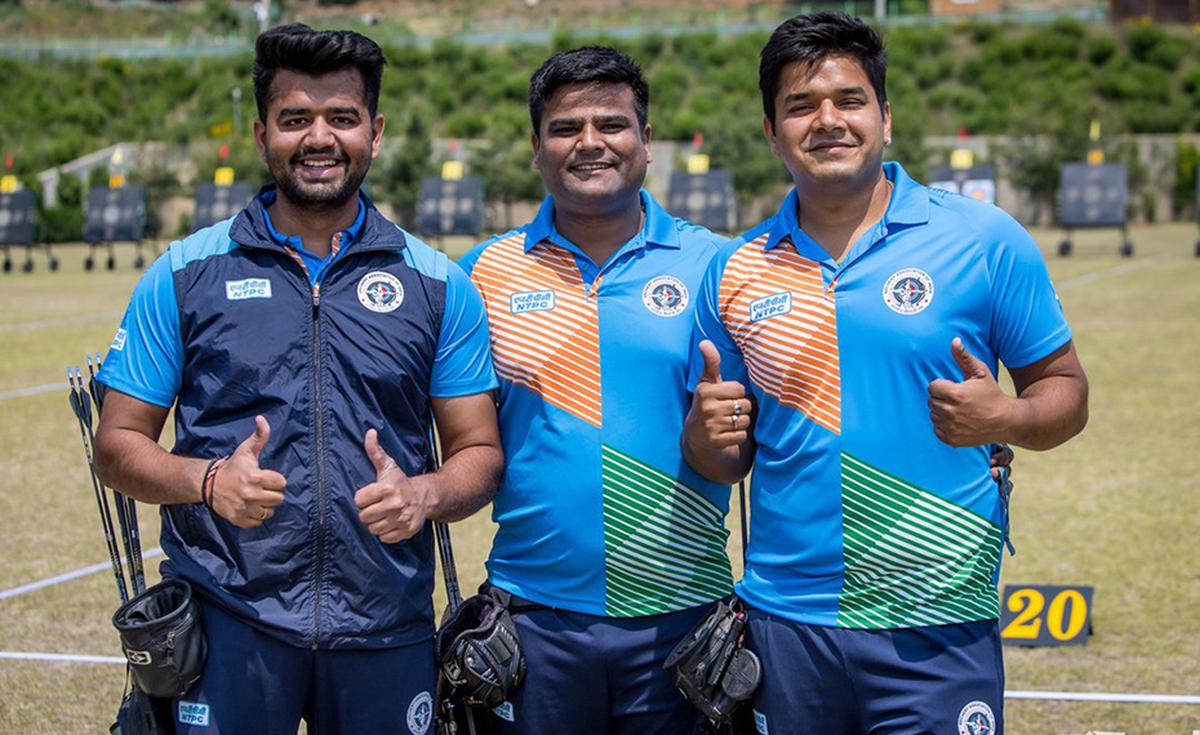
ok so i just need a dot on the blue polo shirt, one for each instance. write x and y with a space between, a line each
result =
598 513
860 516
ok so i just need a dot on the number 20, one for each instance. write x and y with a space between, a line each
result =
1029 603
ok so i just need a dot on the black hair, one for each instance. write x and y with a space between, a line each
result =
299 48
582 65
812 38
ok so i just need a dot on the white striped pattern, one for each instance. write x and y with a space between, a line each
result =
792 356
911 557
664 543
555 353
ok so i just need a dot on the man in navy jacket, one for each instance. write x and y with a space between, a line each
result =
304 345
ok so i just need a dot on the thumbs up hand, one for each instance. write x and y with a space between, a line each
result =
972 411
242 492
720 416
394 507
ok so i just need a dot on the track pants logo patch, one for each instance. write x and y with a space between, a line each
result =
193 713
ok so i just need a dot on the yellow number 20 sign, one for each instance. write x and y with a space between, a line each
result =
1043 615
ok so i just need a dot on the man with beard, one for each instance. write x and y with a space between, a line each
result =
868 318
304 345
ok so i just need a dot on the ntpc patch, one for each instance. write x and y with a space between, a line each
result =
976 718
250 288
769 306
526 301
665 296
193 713
380 292
504 711
760 722
118 342
908 291
420 713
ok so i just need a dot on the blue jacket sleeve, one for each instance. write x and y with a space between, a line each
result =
145 359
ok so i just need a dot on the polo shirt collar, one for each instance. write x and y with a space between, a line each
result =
267 196
909 205
657 229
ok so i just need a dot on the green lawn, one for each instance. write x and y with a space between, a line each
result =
1116 508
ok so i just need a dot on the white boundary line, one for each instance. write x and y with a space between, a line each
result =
67 658
32 390
1085 278
68 576
1106 697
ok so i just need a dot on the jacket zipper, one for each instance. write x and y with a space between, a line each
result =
319 424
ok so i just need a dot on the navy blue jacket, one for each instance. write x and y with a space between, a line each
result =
323 364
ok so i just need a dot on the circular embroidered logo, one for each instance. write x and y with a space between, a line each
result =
976 718
665 295
420 713
380 291
908 291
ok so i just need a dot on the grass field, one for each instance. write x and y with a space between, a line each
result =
1116 508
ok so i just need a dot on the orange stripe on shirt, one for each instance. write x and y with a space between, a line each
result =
553 352
792 355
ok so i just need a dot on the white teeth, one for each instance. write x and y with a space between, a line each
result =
320 164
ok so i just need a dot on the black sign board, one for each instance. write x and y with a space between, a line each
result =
17 213
215 203
1045 615
976 182
703 199
450 206
115 215
1093 196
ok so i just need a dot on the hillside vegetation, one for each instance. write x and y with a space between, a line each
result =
1042 82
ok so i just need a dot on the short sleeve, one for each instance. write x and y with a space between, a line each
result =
1027 318
145 360
463 363
709 325
467 261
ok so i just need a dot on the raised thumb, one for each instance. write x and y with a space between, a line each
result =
256 441
379 458
712 363
970 366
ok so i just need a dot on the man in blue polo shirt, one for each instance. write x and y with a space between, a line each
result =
304 345
867 318
616 543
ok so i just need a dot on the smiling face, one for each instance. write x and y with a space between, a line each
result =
318 139
590 150
829 128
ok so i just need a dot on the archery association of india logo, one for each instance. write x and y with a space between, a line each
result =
420 714
976 718
665 295
908 291
380 291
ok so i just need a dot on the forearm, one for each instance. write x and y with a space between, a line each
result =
466 482
1048 413
137 466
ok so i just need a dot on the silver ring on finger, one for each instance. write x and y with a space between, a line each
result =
734 421
737 409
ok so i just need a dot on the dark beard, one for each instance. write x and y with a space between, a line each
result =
323 200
